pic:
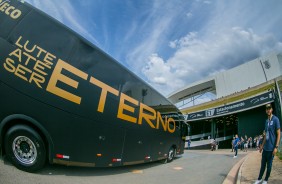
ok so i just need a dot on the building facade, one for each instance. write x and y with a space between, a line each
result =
241 94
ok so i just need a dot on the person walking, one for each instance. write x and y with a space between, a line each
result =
269 145
235 145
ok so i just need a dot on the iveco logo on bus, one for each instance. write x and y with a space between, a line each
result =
9 10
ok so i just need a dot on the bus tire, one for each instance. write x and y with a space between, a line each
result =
25 148
170 155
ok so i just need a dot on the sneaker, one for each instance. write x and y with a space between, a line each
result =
258 182
264 182
235 157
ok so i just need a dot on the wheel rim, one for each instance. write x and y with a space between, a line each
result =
170 154
24 150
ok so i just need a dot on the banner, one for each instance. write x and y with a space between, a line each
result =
232 108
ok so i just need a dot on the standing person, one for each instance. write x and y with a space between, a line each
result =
251 142
232 144
255 142
213 144
189 143
258 140
242 143
246 145
270 144
236 144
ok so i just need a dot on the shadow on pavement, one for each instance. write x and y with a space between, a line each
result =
55 169
86 171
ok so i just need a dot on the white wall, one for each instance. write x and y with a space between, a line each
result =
280 61
274 70
248 75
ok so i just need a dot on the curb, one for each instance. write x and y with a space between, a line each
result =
240 171
235 172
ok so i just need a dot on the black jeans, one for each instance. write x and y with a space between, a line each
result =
236 150
267 158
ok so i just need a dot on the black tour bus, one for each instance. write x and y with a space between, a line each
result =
65 101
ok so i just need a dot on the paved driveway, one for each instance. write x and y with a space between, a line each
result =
197 167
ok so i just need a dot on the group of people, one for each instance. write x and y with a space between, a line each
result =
245 143
267 144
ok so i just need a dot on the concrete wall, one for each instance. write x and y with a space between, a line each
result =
275 66
248 75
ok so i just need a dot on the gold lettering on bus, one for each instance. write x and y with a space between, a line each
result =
169 121
9 10
105 89
23 63
163 123
17 53
125 107
58 76
9 65
33 64
28 58
147 117
21 72
37 79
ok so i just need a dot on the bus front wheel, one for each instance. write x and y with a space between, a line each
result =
25 148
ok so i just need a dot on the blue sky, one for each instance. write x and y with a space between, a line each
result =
172 43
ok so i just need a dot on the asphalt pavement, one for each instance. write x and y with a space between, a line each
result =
195 166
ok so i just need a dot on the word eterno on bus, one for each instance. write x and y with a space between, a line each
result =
35 71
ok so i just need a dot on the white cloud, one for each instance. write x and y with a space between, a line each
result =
173 44
207 2
187 40
152 29
196 58
189 14
225 40
203 1
148 45
156 70
216 38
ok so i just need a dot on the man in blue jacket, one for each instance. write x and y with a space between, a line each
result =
236 144
270 144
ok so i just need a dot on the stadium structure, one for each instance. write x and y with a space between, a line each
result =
238 108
